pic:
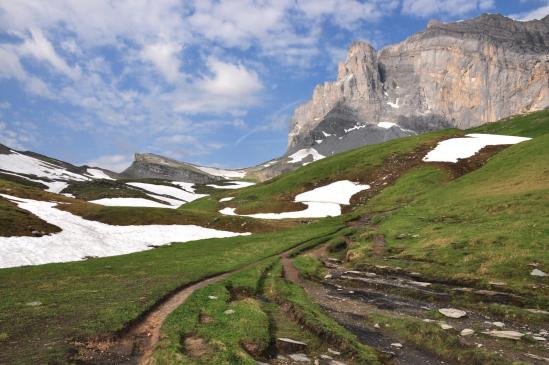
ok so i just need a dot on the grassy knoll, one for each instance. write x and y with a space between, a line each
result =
99 296
489 225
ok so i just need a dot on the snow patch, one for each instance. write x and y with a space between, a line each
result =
321 202
453 149
356 127
98 174
228 174
232 185
394 105
23 164
80 238
172 191
386 125
304 153
227 199
131 202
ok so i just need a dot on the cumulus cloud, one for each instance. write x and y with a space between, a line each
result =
164 56
427 8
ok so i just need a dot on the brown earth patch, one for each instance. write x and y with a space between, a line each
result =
196 347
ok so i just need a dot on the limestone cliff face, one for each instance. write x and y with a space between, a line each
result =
459 74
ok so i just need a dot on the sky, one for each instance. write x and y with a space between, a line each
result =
212 82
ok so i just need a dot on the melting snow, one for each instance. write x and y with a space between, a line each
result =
232 185
227 199
80 237
453 149
23 164
98 174
358 126
177 193
228 174
304 153
393 105
386 125
321 202
131 202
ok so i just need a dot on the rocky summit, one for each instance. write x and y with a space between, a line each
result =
460 74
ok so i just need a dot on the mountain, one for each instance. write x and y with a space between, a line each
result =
460 74
148 165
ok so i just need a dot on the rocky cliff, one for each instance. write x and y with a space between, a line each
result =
460 74
148 165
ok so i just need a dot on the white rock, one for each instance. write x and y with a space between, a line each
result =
513 335
467 332
452 313
300 358
212 297
376 325
538 272
397 345
445 326
328 276
539 338
333 352
499 324
229 311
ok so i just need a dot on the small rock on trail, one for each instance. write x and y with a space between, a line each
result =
452 313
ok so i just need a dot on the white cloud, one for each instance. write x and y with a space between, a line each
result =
427 8
164 56
40 48
116 163
538 13
17 137
230 80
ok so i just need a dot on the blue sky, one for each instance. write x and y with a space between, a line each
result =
204 81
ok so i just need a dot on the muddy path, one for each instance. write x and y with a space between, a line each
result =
136 343
352 318
352 296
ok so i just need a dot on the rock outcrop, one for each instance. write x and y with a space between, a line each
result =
148 165
460 74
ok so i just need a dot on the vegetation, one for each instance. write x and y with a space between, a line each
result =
99 296
491 224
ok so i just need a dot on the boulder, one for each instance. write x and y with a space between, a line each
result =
538 272
467 332
512 335
452 313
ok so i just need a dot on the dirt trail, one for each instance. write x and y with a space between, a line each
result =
137 343
350 297
351 317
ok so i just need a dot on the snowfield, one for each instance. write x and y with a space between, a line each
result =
134 202
177 193
453 149
228 174
98 174
321 202
232 185
80 237
304 153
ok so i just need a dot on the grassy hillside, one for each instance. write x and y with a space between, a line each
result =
99 296
491 224
448 224
362 164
